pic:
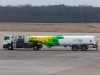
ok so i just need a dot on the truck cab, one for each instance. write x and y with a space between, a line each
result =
13 42
8 40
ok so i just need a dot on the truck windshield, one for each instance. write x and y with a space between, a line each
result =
6 38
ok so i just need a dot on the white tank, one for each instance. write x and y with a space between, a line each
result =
63 40
77 40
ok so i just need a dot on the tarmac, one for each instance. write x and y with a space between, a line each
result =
53 61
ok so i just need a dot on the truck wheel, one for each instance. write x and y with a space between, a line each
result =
84 48
35 48
10 47
75 48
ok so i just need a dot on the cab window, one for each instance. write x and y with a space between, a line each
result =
6 38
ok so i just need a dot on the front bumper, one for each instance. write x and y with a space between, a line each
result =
5 46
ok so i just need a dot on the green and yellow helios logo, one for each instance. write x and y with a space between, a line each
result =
47 40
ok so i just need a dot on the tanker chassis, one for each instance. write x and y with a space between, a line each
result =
83 42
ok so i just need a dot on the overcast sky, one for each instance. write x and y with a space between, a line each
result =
50 2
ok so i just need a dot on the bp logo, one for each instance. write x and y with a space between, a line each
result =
78 40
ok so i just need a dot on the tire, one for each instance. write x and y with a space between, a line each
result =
35 48
84 47
74 47
97 45
10 47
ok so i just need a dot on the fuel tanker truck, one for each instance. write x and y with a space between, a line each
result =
83 42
